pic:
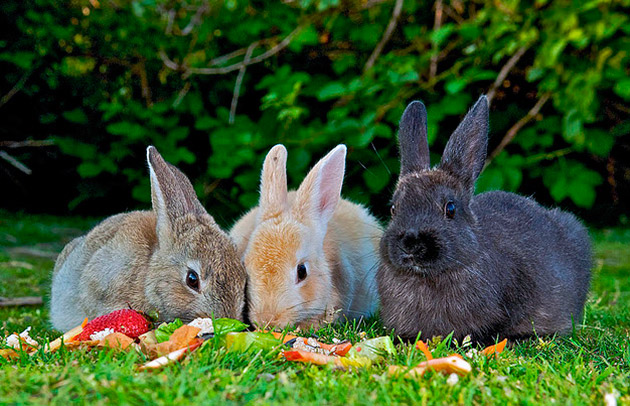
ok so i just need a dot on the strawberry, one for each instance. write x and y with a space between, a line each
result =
126 321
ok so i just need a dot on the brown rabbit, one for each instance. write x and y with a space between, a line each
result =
308 253
174 260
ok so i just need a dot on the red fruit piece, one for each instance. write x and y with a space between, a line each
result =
126 321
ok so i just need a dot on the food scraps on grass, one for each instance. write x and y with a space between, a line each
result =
495 349
172 357
66 337
312 345
447 365
21 341
126 321
420 345
204 324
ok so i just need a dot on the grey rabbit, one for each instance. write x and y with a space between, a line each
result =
174 259
491 265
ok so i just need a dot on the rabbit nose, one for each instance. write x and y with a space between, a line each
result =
421 246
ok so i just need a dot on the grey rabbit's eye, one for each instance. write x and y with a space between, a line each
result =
449 209
392 209
301 272
192 280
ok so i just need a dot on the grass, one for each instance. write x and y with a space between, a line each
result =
577 369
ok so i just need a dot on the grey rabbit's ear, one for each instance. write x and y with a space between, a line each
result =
465 152
412 137
172 194
192 203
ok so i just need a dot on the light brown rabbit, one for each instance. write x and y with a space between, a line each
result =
174 260
309 254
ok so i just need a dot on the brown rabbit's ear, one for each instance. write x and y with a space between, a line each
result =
273 183
317 197
412 138
465 152
172 194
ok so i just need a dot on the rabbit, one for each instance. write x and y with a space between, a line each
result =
492 265
309 254
174 260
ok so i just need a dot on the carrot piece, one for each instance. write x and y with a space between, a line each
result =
495 349
420 345
281 336
447 365
312 357
341 349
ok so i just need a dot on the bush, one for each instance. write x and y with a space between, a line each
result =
105 79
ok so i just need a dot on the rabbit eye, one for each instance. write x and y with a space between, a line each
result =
392 210
192 280
449 209
301 272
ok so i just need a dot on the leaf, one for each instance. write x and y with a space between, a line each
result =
572 129
21 59
376 178
456 85
206 122
599 142
331 91
75 116
491 179
622 88
89 169
307 36
223 326
126 128
440 35
164 330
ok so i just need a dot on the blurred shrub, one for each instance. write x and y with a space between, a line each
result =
108 77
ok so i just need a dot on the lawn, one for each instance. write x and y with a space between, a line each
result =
590 365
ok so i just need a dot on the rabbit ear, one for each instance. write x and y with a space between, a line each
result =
273 183
465 152
412 137
317 197
172 194
192 203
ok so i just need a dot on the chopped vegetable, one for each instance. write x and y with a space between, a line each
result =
312 345
282 336
180 338
225 325
448 365
67 337
253 340
420 345
373 349
172 356
204 324
164 331
148 338
117 340
495 349
9 353
312 357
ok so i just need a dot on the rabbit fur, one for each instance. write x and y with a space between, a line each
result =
334 239
494 264
142 260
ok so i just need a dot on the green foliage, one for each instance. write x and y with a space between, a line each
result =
110 92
